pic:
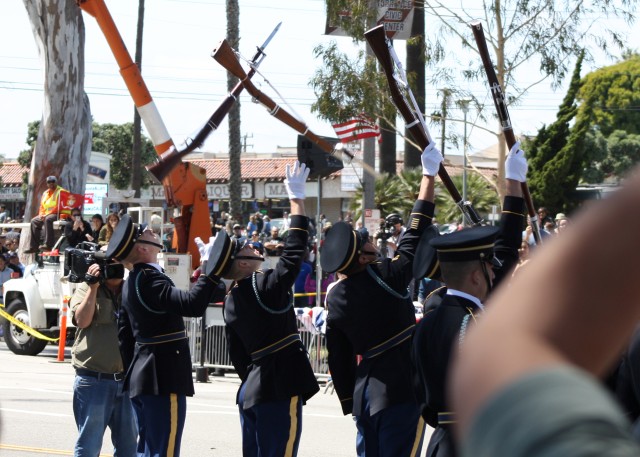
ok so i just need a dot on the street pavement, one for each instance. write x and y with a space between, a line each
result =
36 416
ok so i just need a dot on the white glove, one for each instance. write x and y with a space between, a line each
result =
515 167
204 249
295 180
431 158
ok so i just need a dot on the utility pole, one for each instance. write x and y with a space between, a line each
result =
443 117
244 142
464 105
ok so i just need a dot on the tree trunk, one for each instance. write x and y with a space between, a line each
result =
416 74
388 148
64 139
235 141
136 154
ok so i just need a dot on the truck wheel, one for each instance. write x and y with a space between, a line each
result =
19 341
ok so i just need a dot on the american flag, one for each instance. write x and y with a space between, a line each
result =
358 128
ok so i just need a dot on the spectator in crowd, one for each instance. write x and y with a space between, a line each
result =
99 400
310 286
96 225
274 243
285 221
255 242
266 228
107 230
155 222
523 257
3 244
562 221
525 381
47 214
13 234
394 223
252 226
4 214
259 222
5 273
543 216
298 285
14 260
220 223
77 230
237 232
12 245
550 227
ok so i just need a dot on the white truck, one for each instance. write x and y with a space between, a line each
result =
37 299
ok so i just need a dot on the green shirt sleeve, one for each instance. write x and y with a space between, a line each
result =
558 412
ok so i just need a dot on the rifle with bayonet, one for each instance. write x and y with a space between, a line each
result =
225 56
383 49
503 116
167 161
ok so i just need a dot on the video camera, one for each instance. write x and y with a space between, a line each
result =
78 260
383 233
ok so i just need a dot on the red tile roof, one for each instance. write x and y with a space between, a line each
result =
218 170
11 174
252 169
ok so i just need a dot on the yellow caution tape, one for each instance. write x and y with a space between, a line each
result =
25 327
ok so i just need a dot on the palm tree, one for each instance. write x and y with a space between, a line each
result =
481 193
235 143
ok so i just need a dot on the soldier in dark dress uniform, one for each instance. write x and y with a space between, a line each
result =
370 313
153 341
262 333
472 262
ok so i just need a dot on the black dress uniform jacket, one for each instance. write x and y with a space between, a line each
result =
258 312
151 330
439 332
362 314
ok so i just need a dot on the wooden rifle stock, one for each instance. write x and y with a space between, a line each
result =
377 39
170 159
503 115
225 56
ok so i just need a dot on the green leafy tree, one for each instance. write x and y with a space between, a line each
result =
397 194
117 141
623 153
560 175
542 150
346 87
615 90
388 188
518 32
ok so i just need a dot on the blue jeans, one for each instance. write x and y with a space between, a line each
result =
96 405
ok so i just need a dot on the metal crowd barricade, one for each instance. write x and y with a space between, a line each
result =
215 344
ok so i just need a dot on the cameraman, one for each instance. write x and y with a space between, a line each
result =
394 224
98 397
76 231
